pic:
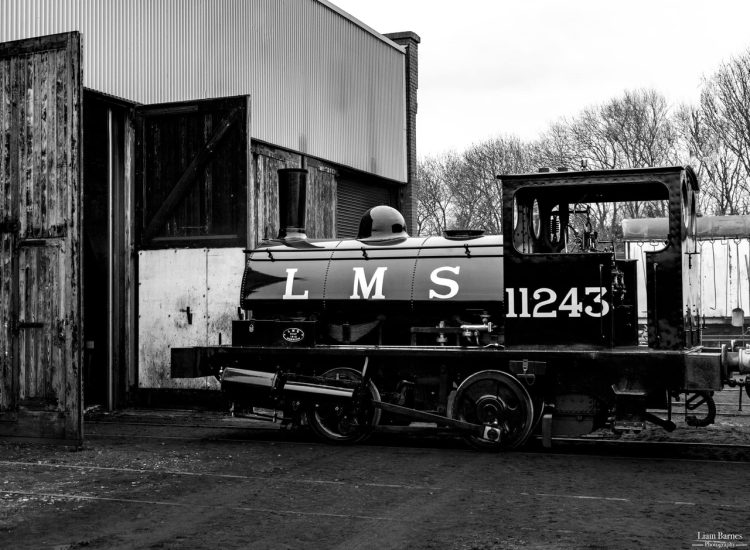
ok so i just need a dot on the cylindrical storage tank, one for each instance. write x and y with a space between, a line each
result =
461 274
435 277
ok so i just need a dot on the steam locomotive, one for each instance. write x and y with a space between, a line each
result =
494 336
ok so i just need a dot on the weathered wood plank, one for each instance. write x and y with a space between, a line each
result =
35 139
27 193
62 151
18 48
54 346
25 375
73 396
129 282
6 240
11 375
5 115
35 127
45 313
6 338
35 424
250 198
36 366
207 176
44 131
51 119
321 201
19 176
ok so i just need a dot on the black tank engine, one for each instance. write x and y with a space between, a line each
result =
495 336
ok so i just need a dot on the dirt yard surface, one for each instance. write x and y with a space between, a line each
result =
180 479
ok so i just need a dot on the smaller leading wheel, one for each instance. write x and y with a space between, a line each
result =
341 421
497 399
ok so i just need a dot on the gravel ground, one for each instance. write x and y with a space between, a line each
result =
189 479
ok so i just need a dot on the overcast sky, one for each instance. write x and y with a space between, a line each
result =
497 67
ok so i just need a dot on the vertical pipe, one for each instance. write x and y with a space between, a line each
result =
292 202
110 256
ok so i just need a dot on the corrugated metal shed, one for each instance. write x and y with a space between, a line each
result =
321 82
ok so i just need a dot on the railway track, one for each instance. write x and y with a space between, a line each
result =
409 437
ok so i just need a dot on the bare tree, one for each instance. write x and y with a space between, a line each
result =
637 129
434 195
724 102
593 140
461 191
722 130
640 125
633 130
483 163
724 182
557 148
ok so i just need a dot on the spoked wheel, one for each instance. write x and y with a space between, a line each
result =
496 399
345 422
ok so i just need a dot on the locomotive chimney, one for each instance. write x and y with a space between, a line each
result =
292 194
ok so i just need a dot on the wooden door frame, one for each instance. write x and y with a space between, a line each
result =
239 113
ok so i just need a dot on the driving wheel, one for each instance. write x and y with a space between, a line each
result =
496 400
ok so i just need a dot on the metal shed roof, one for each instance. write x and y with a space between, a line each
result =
322 82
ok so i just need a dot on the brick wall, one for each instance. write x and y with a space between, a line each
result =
408 196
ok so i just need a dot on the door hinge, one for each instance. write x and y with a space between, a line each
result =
29 324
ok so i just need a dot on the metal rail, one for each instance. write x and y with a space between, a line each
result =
648 443
427 429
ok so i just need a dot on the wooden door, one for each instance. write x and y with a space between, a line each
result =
191 173
40 230
192 186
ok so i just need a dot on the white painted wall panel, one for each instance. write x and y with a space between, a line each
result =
321 83
224 269
207 281
722 286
